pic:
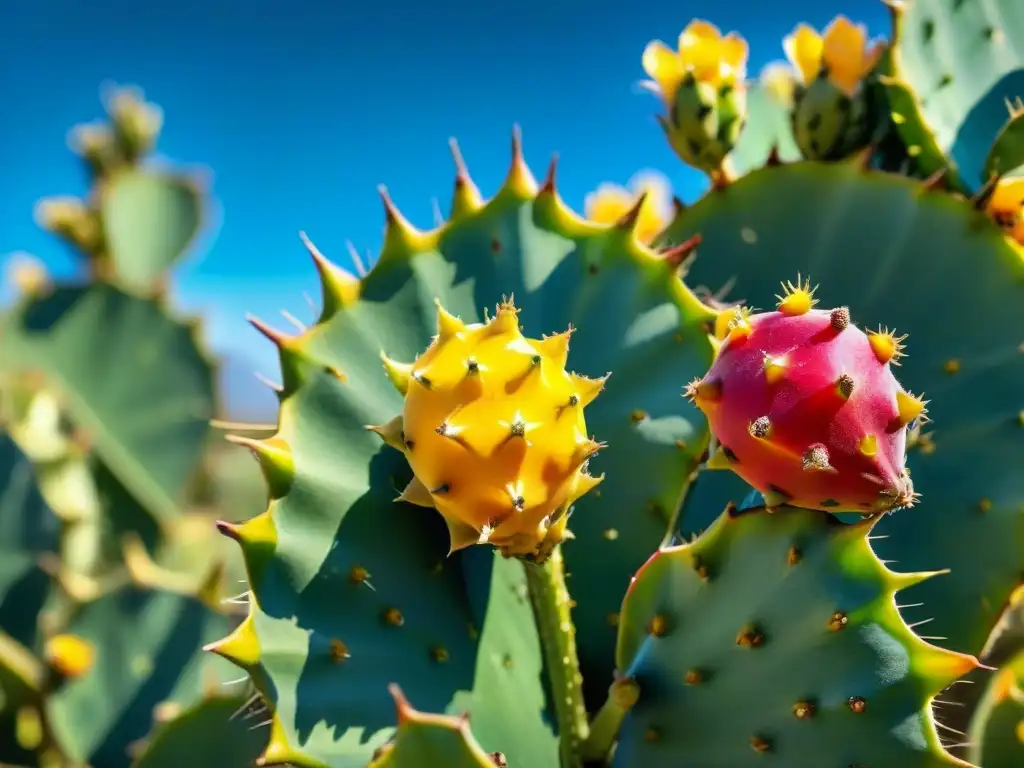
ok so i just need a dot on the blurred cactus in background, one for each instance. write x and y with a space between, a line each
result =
549 490
113 577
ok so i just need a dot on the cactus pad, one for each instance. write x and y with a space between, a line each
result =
888 249
962 62
996 735
77 336
150 218
231 736
776 634
806 408
28 531
146 645
493 428
333 597
432 741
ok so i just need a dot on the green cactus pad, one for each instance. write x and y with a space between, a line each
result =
431 741
996 734
150 218
334 482
930 266
112 356
962 60
767 128
218 732
28 531
147 652
1006 157
776 635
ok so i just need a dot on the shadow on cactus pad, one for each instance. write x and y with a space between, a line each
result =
351 591
932 267
776 635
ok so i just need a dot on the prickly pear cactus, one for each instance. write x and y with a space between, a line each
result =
776 635
825 221
957 65
996 735
423 739
328 473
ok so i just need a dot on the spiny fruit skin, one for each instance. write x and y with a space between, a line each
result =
494 431
805 408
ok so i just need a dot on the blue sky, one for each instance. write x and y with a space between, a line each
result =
302 108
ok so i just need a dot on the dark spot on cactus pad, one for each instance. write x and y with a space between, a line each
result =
700 567
392 617
804 710
495 246
760 743
637 416
945 80
838 621
339 651
927 30
750 637
793 556
829 503
498 759
658 625
857 704
694 677
422 380
358 574
814 122
439 654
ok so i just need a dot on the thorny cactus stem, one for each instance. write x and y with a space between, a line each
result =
552 612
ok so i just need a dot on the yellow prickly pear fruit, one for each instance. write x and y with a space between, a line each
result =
494 431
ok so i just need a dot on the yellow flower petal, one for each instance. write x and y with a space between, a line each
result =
844 53
1006 207
608 203
656 210
700 50
664 67
734 52
804 50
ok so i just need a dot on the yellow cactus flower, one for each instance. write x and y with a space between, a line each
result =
843 49
1006 207
70 655
702 51
610 202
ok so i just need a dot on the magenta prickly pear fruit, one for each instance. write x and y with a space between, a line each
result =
804 407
